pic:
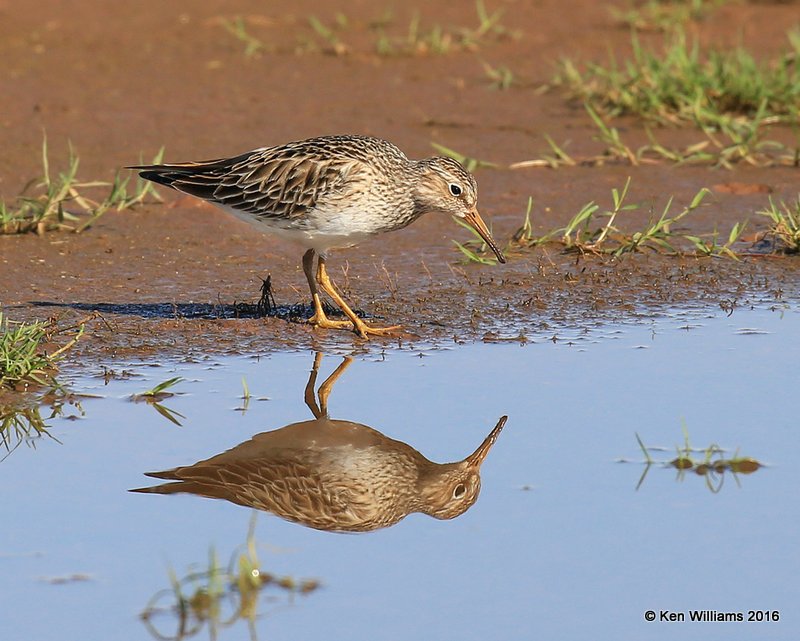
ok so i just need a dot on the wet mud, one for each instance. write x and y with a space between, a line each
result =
180 277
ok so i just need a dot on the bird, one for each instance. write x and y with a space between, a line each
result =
332 475
330 192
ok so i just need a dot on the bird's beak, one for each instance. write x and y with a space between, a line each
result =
476 222
476 458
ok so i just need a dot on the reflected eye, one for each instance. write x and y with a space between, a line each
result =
455 189
459 491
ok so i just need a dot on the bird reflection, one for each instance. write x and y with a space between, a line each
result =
333 475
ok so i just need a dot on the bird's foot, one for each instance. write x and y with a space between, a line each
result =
365 331
320 320
358 326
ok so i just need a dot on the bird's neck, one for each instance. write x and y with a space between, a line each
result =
431 479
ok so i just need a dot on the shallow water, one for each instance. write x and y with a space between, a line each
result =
560 544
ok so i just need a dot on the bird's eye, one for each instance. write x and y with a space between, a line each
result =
455 189
459 491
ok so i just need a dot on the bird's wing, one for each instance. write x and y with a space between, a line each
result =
274 182
283 485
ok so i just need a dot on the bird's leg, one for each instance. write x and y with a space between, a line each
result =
319 318
360 327
309 396
325 389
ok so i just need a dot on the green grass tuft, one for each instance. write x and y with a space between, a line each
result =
785 227
680 85
594 230
711 463
421 39
732 142
24 359
61 202
660 15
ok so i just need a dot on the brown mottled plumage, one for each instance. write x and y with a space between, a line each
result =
333 475
329 192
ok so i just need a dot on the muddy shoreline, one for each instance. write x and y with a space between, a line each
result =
166 277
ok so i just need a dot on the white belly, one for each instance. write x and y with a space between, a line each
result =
321 232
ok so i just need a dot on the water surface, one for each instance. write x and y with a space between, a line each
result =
560 543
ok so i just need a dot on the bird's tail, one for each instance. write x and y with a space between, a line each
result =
199 179
164 488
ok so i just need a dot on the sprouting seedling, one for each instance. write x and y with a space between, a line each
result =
238 29
619 199
159 391
329 35
488 22
500 77
156 394
524 235
658 232
245 396
712 248
561 156
579 226
470 164
610 136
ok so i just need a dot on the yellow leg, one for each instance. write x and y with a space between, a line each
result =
324 390
310 397
319 318
359 326
321 410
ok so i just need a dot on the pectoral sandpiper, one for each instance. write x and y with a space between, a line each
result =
332 475
327 193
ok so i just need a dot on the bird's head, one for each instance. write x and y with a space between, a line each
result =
444 186
454 487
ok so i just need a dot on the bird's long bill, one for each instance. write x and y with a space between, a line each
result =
476 222
476 458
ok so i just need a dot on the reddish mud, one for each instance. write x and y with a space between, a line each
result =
124 79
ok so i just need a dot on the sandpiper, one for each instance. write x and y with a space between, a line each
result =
328 193
331 474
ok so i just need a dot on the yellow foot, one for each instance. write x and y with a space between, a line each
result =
359 326
364 330
326 323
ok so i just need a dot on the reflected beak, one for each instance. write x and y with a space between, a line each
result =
476 458
476 222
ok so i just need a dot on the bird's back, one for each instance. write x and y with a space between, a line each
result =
326 474
330 191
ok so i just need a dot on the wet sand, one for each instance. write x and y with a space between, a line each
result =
119 82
